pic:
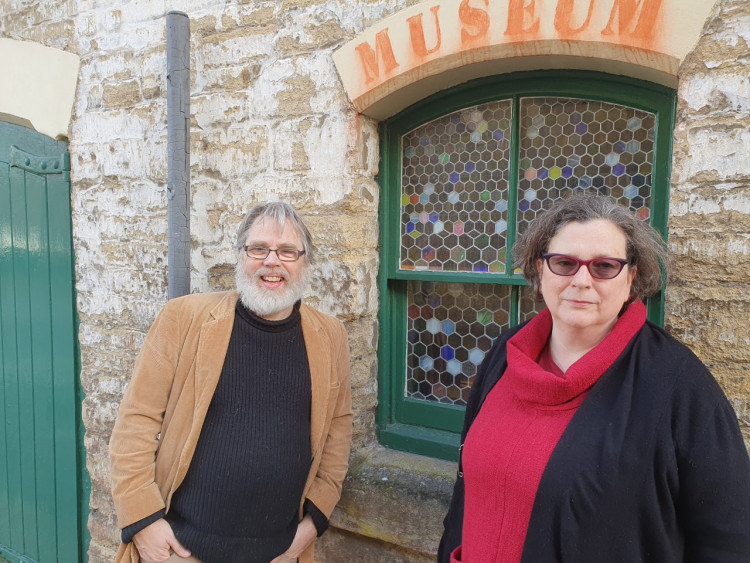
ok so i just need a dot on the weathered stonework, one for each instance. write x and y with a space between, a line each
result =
709 225
270 120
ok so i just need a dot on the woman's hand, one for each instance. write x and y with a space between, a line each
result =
304 536
155 541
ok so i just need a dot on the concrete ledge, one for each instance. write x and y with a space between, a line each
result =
397 498
340 546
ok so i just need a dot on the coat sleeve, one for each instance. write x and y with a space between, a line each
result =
714 476
453 523
325 490
135 437
489 373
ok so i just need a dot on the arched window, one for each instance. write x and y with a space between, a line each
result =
462 174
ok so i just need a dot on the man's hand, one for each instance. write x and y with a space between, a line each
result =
155 541
304 536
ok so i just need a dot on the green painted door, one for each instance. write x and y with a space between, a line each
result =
41 474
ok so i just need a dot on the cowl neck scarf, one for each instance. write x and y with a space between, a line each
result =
533 384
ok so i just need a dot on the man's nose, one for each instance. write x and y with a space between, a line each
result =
272 259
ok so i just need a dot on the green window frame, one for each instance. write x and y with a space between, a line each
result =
431 427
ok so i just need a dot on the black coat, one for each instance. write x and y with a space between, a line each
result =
651 468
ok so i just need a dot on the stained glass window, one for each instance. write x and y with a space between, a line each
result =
454 215
454 191
569 144
462 176
451 327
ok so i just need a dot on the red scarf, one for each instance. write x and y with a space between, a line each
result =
516 430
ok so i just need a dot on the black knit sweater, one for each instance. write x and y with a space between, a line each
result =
248 471
240 496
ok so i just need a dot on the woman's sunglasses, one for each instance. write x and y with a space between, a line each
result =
599 268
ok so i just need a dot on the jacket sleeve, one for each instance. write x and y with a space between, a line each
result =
452 523
135 437
714 476
325 490
489 373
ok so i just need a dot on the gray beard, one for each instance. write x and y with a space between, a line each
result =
263 302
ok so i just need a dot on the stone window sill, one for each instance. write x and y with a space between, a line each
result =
396 497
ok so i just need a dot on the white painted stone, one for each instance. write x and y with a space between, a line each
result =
737 202
328 143
703 91
703 206
723 154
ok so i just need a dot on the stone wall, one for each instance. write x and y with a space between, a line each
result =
270 120
708 298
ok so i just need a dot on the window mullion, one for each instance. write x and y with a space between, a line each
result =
398 325
515 305
514 160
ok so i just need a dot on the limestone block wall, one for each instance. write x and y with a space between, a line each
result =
270 120
708 298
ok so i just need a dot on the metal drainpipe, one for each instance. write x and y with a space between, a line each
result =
178 149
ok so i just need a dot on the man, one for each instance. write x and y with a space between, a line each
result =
232 440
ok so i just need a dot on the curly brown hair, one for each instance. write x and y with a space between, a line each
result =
646 250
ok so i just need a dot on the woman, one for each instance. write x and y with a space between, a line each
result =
591 435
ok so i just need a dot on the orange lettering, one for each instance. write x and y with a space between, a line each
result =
369 57
518 10
474 18
416 32
563 15
625 12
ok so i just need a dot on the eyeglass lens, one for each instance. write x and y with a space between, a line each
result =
601 268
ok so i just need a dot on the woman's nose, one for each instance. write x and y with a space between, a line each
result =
582 277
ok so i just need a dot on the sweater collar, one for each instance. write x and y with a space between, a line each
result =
264 324
533 384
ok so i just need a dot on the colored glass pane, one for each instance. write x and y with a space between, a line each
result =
577 144
454 172
445 349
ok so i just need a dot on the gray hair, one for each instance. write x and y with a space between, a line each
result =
281 213
645 248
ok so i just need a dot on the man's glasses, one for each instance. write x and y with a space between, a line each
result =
599 268
284 254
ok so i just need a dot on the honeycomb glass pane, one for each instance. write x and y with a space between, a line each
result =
454 191
529 306
574 144
450 327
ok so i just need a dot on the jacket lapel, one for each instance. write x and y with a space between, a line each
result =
320 376
212 349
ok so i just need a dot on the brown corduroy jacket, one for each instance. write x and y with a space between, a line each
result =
173 381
